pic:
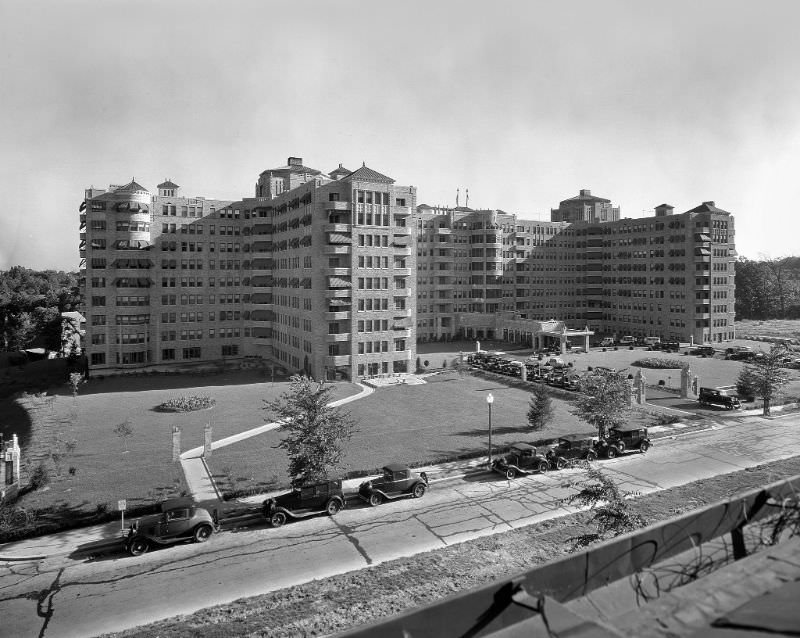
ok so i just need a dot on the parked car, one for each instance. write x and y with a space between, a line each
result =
651 341
179 520
572 384
703 351
667 346
719 396
739 353
522 458
607 342
557 362
398 481
627 340
572 447
309 500
624 438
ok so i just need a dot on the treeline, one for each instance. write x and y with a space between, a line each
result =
768 288
31 303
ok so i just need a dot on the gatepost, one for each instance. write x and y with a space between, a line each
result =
176 442
207 441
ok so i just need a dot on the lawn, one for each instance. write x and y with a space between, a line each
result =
415 424
781 328
139 468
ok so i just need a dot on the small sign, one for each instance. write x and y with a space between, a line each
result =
121 505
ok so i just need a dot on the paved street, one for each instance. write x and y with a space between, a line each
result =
64 596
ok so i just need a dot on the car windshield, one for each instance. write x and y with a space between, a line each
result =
565 443
387 474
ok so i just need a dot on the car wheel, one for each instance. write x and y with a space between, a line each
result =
277 519
138 546
333 507
419 490
644 446
561 463
511 474
375 500
611 451
591 455
544 466
202 533
620 446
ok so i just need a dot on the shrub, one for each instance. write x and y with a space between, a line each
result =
40 477
657 363
662 382
187 404
630 347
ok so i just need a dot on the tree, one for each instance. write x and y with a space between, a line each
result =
604 400
540 410
124 431
611 511
765 376
314 432
74 382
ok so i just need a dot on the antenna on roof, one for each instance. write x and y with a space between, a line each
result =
467 202
458 192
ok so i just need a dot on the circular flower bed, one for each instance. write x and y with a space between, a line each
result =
658 364
187 404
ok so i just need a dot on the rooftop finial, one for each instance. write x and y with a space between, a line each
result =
467 202
363 164
458 192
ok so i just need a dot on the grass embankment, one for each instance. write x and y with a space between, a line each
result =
138 468
415 424
337 603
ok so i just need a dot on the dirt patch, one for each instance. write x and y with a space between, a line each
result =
340 602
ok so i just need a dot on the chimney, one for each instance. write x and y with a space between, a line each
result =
585 192
295 161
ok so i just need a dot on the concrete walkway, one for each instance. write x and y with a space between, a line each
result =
198 476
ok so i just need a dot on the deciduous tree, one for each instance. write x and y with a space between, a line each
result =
604 400
765 376
315 433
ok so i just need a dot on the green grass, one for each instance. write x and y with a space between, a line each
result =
139 469
414 424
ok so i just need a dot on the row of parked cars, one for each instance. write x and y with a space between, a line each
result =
523 458
552 370
182 520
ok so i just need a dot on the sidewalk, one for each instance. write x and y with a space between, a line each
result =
87 539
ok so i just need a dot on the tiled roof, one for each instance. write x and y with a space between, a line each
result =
293 168
586 198
366 174
340 170
168 184
708 207
131 187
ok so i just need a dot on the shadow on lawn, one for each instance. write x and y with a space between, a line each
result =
496 431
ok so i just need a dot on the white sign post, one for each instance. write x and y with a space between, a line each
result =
121 505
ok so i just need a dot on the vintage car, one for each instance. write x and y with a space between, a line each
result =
703 351
667 346
325 497
520 459
572 447
724 397
179 520
624 438
397 481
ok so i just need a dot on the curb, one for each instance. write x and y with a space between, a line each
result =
22 559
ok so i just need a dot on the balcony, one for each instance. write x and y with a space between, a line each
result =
338 206
337 337
402 230
338 360
401 210
339 314
445 231
338 293
401 272
402 292
336 228
337 271
402 312
337 249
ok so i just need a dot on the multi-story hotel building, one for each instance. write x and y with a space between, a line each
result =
670 276
338 274
315 272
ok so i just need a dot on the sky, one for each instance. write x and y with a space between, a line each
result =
523 103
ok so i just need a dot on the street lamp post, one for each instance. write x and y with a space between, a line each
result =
489 401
